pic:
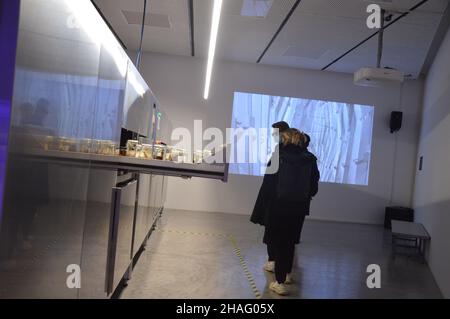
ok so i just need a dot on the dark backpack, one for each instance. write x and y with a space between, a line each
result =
294 179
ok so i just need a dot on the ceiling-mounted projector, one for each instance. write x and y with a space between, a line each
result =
377 76
380 76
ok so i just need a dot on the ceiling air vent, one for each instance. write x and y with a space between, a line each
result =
305 52
151 19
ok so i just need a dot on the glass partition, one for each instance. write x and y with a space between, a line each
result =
59 100
107 120
138 104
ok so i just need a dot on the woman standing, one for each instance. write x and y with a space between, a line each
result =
283 203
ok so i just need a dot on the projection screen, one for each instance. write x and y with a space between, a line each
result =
341 133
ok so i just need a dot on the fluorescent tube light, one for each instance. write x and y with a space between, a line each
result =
212 44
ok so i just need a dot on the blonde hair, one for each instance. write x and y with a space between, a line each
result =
292 136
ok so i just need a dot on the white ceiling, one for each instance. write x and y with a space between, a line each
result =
175 40
318 32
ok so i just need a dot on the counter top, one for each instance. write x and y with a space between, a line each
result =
142 165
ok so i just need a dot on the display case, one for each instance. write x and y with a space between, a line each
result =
75 90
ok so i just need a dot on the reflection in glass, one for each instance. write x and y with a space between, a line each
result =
74 89
68 88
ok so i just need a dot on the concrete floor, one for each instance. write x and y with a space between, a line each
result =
212 255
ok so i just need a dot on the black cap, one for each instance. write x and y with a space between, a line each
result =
281 126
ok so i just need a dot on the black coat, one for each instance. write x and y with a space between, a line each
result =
284 220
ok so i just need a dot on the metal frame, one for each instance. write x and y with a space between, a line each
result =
191 26
418 245
114 232
9 30
112 240
139 53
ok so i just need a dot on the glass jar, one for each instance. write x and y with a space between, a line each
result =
139 153
65 144
103 146
178 155
132 147
107 148
184 157
96 146
198 157
159 152
48 143
74 144
147 151
206 154
85 145
168 155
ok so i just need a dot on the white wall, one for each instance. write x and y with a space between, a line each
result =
432 196
178 84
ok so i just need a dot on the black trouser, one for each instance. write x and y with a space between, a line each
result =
283 256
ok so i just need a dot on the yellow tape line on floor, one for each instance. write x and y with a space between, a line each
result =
247 273
236 250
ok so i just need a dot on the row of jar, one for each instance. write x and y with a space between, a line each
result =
163 152
154 151
133 149
85 145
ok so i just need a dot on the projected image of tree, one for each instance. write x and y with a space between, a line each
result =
341 133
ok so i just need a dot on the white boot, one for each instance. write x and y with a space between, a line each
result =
279 289
269 266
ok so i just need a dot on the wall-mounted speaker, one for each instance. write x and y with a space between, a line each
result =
396 121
